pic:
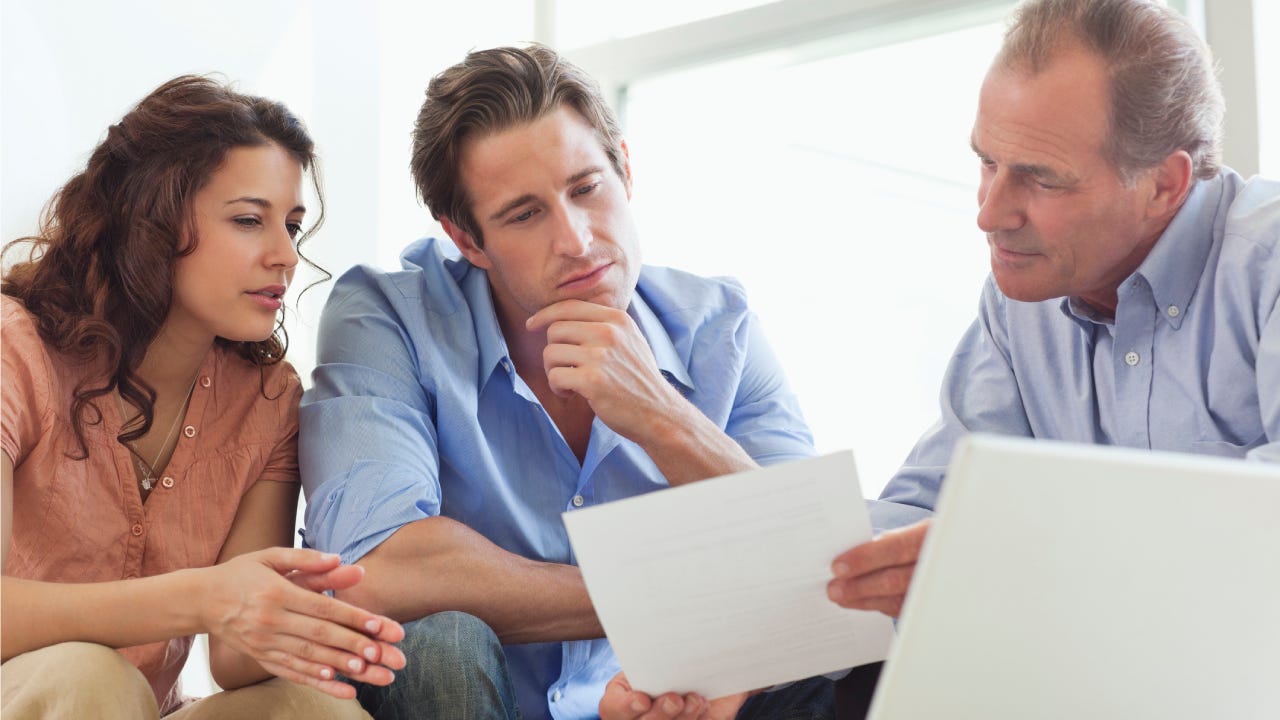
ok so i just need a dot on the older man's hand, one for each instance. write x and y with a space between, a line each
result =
876 574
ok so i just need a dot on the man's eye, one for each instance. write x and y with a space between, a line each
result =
585 189
522 217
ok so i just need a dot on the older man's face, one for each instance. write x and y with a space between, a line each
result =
1058 217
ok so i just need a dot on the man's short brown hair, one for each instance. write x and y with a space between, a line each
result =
488 92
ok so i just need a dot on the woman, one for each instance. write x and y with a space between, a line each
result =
150 433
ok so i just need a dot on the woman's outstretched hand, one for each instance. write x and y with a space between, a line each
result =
269 605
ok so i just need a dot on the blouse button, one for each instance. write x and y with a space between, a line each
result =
167 482
205 381
137 529
189 431
578 500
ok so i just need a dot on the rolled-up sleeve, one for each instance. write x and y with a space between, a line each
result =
367 446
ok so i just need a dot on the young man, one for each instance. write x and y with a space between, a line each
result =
460 406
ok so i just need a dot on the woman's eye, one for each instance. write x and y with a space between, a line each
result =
294 229
248 222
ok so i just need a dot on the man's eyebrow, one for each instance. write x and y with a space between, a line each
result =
583 173
262 203
511 206
1040 171
527 197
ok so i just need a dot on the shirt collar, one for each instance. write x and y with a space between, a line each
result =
492 345
669 362
1174 266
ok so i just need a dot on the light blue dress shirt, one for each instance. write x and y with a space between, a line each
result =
417 411
1191 362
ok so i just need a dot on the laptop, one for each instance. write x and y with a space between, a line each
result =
1081 581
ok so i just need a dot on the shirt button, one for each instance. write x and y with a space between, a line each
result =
577 501
167 482
555 696
189 431
206 381
1173 311
506 365
136 529
1131 358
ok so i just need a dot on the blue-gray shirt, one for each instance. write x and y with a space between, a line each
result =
417 411
1191 362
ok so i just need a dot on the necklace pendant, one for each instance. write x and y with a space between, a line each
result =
146 482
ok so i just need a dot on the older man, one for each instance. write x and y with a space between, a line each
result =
1134 280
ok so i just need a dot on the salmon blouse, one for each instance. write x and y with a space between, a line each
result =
80 521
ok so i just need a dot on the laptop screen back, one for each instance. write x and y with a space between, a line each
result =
1076 581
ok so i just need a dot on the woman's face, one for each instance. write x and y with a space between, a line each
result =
247 219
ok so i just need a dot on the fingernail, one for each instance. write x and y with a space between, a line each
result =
835 592
371 653
326 673
373 626
330 556
840 569
668 706
637 706
355 664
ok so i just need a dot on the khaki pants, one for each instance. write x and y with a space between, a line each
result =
79 681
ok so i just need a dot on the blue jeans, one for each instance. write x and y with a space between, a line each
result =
456 670
812 699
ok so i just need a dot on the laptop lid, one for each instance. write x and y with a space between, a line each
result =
1080 581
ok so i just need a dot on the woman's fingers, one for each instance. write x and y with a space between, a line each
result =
335 688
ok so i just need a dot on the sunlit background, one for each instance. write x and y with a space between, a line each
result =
815 149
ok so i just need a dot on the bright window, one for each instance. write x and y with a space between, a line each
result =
1266 27
586 22
842 194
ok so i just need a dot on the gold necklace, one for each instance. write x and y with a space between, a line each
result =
148 470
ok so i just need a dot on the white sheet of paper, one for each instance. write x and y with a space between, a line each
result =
719 586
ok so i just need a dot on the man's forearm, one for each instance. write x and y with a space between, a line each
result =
439 564
687 447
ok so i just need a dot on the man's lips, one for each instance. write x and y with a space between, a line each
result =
1005 252
586 278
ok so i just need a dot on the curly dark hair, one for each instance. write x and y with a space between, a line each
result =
99 275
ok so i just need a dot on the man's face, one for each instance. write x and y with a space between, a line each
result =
1058 217
555 217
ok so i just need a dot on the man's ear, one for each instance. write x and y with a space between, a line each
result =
1171 181
466 244
626 167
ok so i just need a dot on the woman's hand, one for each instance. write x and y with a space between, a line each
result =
269 606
